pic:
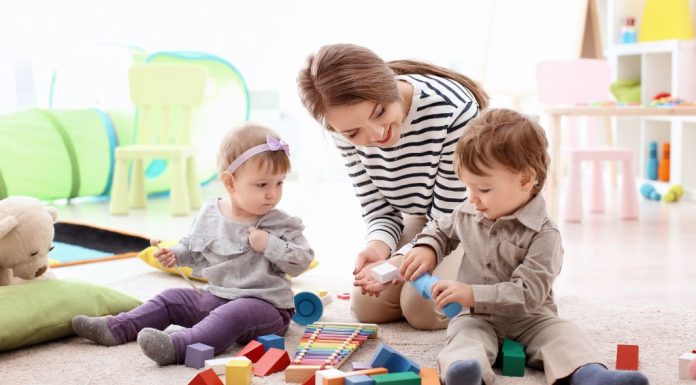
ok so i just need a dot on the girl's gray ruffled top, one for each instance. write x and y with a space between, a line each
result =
218 249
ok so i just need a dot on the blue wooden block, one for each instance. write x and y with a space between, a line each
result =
272 341
359 379
423 285
196 354
388 358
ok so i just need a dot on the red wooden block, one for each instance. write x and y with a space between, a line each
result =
206 377
626 357
253 351
311 380
273 361
345 296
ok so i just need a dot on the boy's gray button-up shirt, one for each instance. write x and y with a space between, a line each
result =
218 249
511 263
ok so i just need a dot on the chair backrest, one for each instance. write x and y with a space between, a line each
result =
573 81
166 97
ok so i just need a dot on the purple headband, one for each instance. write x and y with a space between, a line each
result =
272 144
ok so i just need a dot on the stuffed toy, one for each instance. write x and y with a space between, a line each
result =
26 235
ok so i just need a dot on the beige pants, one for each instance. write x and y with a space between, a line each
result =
403 300
553 344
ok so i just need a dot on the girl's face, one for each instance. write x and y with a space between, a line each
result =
254 191
498 193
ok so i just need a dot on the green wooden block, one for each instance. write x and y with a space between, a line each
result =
399 378
514 358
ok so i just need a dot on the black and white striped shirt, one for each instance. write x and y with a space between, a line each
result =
416 175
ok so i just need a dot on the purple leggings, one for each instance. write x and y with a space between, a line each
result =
211 320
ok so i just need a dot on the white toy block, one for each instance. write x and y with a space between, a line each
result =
218 364
684 361
385 272
320 374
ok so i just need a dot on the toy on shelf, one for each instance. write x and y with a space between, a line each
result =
675 192
326 345
663 169
651 167
309 306
628 31
424 283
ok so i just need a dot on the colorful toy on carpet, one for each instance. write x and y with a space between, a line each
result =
326 345
309 306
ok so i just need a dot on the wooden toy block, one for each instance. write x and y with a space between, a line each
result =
398 378
386 357
196 354
424 283
359 379
206 377
344 296
238 371
338 378
360 365
311 380
253 350
429 376
385 272
320 374
272 341
218 364
684 362
514 358
626 357
275 360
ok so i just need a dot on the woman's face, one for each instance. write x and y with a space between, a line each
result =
368 123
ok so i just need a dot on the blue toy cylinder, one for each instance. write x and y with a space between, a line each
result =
652 165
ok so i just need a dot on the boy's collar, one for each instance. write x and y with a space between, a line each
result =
532 214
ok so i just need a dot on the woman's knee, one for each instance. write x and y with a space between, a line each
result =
375 309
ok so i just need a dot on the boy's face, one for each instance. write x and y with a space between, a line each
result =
500 192
254 191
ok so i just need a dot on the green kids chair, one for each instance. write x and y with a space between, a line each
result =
166 97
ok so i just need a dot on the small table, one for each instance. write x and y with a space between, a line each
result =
555 114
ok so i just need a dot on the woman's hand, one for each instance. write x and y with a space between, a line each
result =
258 239
447 291
375 251
166 257
419 260
367 283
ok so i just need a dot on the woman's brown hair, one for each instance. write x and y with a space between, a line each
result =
345 74
505 137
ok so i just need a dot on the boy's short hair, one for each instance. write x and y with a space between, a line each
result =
242 138
506 137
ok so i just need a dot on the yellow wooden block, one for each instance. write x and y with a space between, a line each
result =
238 372
666 20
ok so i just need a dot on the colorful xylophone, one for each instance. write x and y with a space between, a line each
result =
326 345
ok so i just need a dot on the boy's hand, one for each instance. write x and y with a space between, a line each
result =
258 239
166 257
419 260
447 291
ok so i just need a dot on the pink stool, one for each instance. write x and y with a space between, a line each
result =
629 193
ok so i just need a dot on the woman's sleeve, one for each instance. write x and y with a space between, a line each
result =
384 222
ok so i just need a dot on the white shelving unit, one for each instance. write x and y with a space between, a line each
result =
661 66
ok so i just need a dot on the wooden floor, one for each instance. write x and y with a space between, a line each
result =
650 259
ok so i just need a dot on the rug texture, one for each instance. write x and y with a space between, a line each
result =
663 333
78 243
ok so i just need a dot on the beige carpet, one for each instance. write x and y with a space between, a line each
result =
663 334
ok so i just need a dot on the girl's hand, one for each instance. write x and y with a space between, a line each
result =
166 257
417 261
447 291
258 239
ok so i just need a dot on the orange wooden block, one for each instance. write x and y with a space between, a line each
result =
253 351
206 377
340 379
273 361
429 376
626 357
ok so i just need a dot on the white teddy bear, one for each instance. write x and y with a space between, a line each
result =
26 237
